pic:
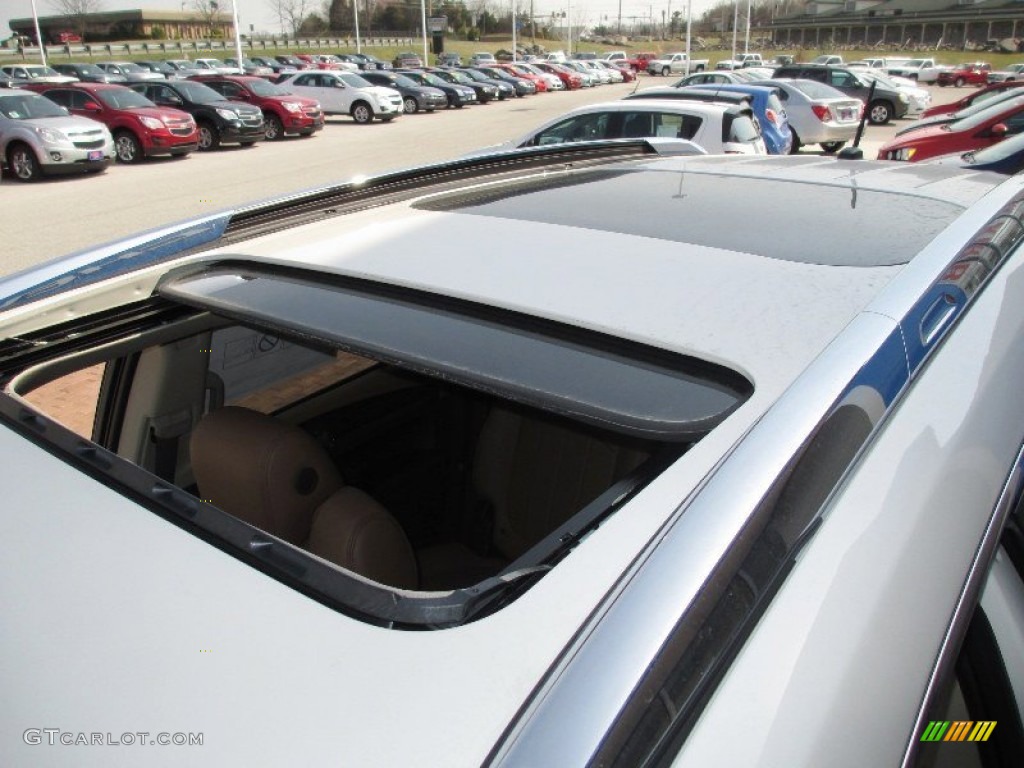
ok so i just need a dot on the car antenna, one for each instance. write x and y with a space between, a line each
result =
854 152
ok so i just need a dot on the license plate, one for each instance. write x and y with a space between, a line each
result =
846 114
95 155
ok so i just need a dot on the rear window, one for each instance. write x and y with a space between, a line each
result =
739 129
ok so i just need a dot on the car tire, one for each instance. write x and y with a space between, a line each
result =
362 113
127 148
700 68
880 112
209 137
664 71
794 148
246 144
959 82
409 106
273 128
23 162
831 147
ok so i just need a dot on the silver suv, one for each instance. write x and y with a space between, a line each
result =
39 137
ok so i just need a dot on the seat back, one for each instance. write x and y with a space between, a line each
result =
537 474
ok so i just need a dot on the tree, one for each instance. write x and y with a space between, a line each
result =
291 13
209 12
77 11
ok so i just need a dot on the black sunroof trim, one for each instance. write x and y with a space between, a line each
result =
711 380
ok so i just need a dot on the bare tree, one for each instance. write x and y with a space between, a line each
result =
209 12
77 11
291 13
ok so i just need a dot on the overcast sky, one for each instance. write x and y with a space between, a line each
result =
258 13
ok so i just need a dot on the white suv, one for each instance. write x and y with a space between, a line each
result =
38 137
345 93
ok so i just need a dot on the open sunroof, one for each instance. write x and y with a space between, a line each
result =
610 382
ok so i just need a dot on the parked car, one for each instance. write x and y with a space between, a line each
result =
216 67
628 73
978 131
407 60
588 77
924 70
88 73
522 86
512 69
167 69
646 521
140 128
817 113
458 95
40 138
276 67
328 61
975 97
292 61
763 100
886 104
6 81
184 68
484 58
506 89
701 79
252 67
716 128
449 59
283 112
346 93
995 98
1012 73
972 73
35 73
415 97
371 62
570 79
130 71
218 120
552 82
918 98
1006 157
829 59
485 91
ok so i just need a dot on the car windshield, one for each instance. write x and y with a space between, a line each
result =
198 93
984 115
1011 146
89 69
29 107
403 81
263 88
126 98
816 90
475 75
432 79
986 101
354 80
131 67
35 72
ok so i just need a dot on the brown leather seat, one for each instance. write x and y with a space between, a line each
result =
277 477
533 474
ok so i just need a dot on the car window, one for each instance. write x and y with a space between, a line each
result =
740 128
307 80
588 127
71 399
1014 123
841 79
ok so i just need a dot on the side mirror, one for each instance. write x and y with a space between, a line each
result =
999 129
91 106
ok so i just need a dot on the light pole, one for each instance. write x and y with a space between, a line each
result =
39 35
746 43
359 42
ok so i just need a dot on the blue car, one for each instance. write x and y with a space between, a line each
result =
765 102
1006 157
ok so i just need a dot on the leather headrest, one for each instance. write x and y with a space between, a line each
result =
261 470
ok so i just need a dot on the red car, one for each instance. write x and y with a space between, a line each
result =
978 131
140 127
572 80
972 98
973 73
537 80
283 112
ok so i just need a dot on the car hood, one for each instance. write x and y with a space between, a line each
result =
234 106
384 92
69 124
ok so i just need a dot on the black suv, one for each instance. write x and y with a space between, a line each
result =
885 105
218 119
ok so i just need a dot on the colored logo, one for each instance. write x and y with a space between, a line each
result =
958 730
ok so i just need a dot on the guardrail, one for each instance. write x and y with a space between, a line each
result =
180 48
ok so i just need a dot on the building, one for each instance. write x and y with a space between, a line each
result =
129 25
902 23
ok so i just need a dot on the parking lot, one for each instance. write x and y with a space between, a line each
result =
59 216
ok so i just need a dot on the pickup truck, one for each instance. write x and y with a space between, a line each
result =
741 60
675 63
637 62
922 70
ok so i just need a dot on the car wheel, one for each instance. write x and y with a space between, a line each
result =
794 148
246 144
273 128
959 82
127 147
700 68
831 147
459 106
879 113
23 163
409 106
664 71
209 137
362 113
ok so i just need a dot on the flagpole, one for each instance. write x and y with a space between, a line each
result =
39 35
238 38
